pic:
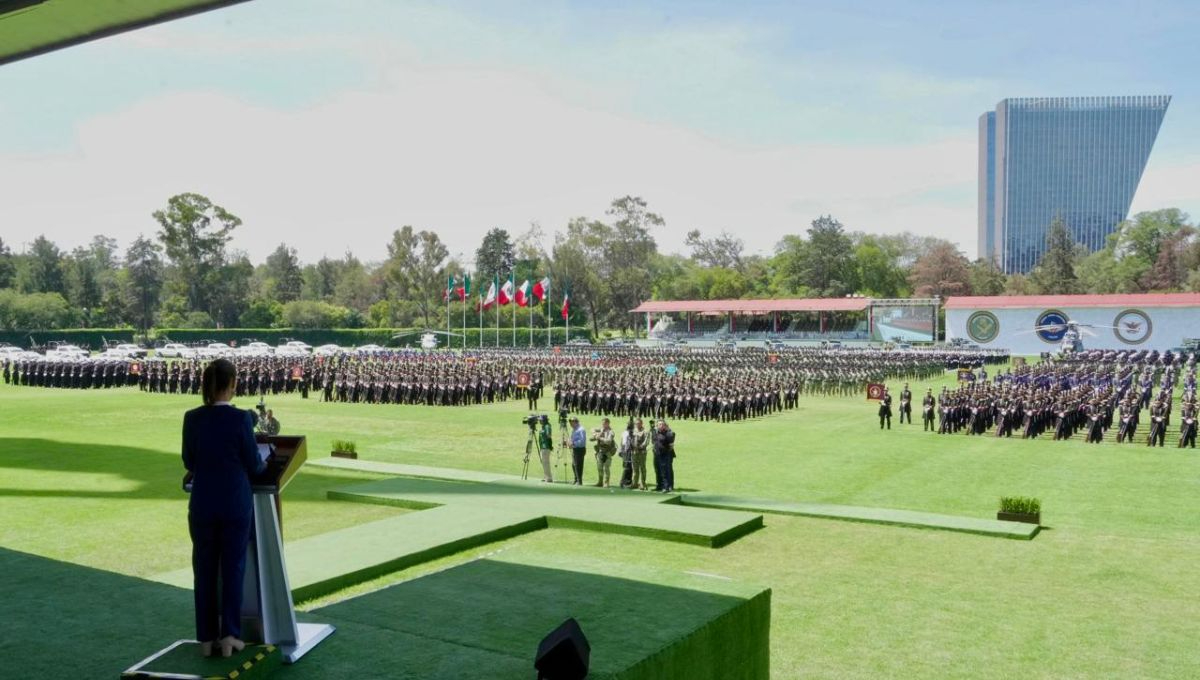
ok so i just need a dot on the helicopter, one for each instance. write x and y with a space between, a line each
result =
1073 332
429 337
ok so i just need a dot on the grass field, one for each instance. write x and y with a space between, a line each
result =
1109 589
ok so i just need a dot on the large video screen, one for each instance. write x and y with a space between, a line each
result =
903 324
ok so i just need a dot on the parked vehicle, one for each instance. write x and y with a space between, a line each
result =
175 350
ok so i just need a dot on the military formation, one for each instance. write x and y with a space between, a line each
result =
712 384
1087 394
79 374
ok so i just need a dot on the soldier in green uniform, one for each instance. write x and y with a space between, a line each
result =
606 448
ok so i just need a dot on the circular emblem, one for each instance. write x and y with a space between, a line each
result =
983 327
1052 317
1132 326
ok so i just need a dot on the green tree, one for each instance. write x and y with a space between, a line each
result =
1055 273
627 257
194 232
415 267
877 266
495 255
575 266
826 264
230 289
355 288
262 313
8 266
34 311
723 250
42 270
284 274
986 278
145 269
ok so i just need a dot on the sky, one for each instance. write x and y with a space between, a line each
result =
327 126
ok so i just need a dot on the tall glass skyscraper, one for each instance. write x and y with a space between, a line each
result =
1076 158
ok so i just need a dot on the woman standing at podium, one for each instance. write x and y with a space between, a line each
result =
220 453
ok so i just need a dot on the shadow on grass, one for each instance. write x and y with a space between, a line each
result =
63 620
150 473
484 619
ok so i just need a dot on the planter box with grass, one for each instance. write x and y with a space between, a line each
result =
344 449
1020 509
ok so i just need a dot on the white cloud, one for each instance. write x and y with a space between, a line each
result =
1169 185
460 151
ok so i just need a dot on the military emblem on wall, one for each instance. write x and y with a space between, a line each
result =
1052 326
983 327
1132 326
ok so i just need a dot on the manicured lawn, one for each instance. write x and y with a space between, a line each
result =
1111 589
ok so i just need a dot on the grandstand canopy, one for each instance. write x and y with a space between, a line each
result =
1051 301
32 27
753 306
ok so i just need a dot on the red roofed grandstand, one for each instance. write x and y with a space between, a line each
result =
854 318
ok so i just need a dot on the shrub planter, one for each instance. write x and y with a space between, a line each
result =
344 454
1027 517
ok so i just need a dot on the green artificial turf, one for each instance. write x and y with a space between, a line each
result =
52 24
1108 589
656 626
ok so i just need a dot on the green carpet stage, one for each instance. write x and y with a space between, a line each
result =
484 619
458 515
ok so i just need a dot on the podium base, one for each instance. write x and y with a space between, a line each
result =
181 660
308 635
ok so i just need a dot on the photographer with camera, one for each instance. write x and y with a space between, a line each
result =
606 448
664 458
545 446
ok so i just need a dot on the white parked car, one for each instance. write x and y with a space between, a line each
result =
293 348
369 349
176 350
260 349
67 352
327 350
130 350
213 350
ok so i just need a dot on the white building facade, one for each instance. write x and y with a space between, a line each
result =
1144 321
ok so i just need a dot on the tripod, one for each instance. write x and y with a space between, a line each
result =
529 449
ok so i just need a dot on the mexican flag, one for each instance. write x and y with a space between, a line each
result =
464 291
523 294
491 296
566 308
541 289
506 291
449 289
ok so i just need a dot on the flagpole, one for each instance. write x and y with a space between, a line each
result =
497 280
530 303
480 321
449 292
546 299
513 302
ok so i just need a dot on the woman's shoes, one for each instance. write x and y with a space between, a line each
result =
206 649
230 644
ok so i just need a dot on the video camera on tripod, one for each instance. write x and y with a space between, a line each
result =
531 443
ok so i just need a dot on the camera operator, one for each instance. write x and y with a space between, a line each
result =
606 448
578 450
545 446
664 458
270 424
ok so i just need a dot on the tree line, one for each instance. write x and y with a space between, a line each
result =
187 275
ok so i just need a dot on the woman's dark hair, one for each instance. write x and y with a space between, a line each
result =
217 378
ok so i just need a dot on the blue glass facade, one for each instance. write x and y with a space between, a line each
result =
1076 158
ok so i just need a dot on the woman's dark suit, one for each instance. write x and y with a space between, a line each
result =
220 452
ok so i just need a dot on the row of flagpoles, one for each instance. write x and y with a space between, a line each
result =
503 295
